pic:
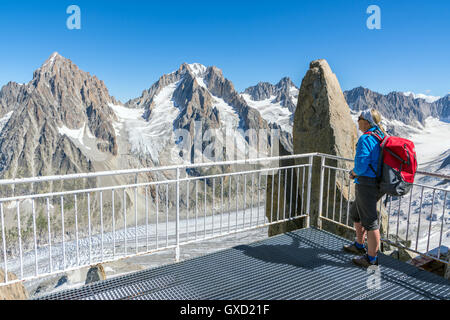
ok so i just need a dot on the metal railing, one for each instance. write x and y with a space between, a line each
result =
416 222
48 232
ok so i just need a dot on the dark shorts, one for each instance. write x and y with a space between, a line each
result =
364 208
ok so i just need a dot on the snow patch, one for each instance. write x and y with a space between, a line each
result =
85 141
149 137
4 120
77 134
429 99
432 140
201 82
293 91
271 112
197 68
228 116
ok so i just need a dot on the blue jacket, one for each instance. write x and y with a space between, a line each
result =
367 153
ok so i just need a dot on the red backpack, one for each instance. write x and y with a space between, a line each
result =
397 164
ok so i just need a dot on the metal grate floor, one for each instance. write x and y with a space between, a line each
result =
303 264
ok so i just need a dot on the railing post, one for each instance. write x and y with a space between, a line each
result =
177 223
322 170
5 261
308 200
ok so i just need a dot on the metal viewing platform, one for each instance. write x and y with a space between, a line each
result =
304 264
57 224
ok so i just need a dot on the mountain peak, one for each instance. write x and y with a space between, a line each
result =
54 57
197 68
285 82
265 90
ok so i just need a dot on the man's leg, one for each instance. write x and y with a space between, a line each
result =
356 247
373 242
360 232
369 221
373 236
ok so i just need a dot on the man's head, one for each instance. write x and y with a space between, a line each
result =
367 119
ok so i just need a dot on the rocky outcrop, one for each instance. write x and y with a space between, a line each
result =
322 123
11 96
95 273
15 291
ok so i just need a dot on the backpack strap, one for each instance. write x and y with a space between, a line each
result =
370 166
377 135
399 158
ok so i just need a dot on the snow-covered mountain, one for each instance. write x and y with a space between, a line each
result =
409 108
64 119
197 99
276 104
284 92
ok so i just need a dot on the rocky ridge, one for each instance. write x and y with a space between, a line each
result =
398 106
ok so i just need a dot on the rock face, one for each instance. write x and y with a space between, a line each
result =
202 95
322 123
14 291
284 92
443 108
58 123
59 98
95 273
276 104
398 105
10 97
445 163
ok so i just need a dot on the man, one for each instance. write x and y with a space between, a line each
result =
363 210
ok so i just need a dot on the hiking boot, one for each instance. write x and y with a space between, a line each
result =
351 248
364 262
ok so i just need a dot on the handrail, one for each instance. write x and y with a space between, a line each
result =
144 170
184 166
437 175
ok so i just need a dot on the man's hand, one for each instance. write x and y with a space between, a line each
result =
352 175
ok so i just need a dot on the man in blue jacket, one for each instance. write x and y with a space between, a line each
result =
363 210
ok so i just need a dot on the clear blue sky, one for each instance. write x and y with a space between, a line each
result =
130 44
